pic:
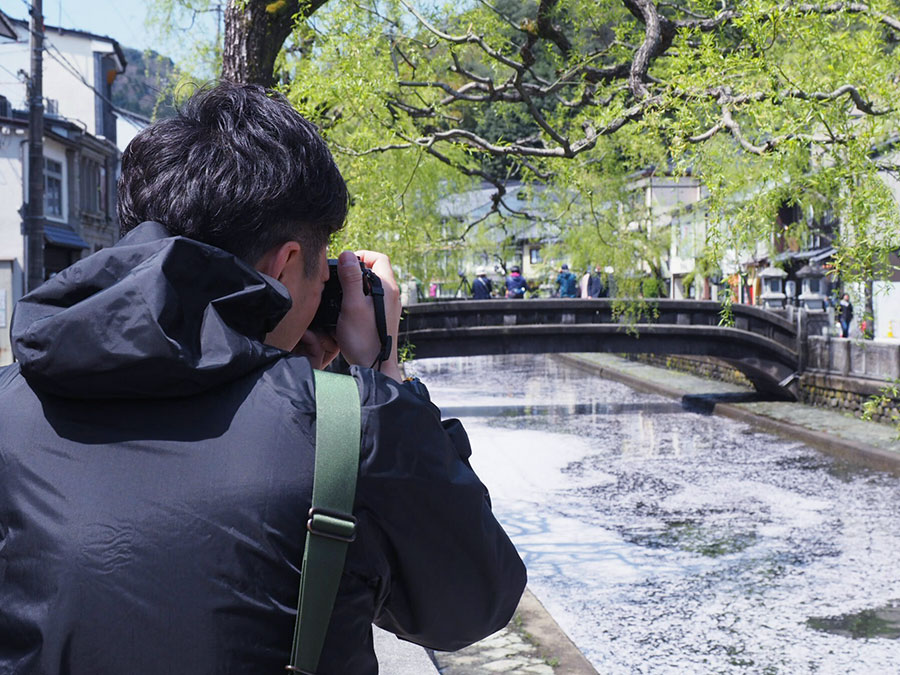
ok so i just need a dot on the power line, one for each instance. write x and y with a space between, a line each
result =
67 65
18 76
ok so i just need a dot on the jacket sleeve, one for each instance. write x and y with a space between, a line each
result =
450 575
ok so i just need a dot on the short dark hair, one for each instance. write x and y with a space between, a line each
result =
238 168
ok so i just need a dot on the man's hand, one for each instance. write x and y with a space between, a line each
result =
357 334
319 348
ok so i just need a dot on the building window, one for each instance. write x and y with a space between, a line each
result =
534 256
53 192
92 193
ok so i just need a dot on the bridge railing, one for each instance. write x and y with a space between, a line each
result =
475 313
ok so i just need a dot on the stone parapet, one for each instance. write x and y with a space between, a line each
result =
872 359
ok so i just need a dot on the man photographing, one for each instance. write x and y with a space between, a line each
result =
157 433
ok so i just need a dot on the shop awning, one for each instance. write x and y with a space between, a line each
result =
814 255
63 235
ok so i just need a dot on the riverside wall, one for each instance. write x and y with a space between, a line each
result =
840 374
845 373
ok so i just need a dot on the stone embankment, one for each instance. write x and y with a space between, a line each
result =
840 374
830 430
844 374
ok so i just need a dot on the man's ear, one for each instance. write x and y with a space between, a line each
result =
279 259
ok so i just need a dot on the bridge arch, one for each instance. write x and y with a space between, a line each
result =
761 344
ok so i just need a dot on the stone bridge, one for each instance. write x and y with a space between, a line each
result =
764 345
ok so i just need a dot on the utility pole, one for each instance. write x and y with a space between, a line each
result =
34 221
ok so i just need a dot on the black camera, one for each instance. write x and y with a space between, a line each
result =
326 317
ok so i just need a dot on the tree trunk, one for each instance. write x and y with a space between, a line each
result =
869 308
255 30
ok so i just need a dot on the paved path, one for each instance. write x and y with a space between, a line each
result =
397 657
532 644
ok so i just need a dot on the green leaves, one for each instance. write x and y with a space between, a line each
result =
770 104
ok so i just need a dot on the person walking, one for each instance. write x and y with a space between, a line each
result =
566 284
846 314
596 287
482 286
515 284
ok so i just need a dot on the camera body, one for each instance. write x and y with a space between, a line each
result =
326 317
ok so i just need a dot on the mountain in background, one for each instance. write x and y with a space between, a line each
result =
145 87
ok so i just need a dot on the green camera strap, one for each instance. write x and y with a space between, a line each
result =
331 525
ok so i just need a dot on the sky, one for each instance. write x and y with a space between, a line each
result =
122 20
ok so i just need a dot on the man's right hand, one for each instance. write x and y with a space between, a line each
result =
357 333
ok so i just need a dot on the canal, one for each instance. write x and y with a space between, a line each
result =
666 541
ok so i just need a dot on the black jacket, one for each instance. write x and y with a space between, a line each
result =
156 468
481 288
595 287
846 308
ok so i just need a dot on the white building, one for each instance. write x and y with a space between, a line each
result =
81 157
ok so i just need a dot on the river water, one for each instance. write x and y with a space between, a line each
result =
666 541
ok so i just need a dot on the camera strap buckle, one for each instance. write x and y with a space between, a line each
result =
331 524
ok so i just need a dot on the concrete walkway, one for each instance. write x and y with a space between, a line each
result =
532 644
837 433
398 657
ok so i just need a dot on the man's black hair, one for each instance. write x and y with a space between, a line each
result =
237 168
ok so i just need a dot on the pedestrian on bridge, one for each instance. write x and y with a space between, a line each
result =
583 283
596 287
566 283
482 286
515 284
846 316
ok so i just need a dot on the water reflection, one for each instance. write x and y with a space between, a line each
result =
594 408
665 541
869 623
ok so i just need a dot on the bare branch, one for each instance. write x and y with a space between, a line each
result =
768 146
548 31
468 38
709 133
503 16
850 7
371 151
646 11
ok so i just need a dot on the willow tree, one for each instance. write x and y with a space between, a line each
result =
767 102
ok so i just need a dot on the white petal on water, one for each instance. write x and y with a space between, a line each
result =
669 542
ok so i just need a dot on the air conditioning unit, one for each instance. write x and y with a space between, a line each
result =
5 107
51 107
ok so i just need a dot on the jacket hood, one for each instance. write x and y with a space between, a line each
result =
155 316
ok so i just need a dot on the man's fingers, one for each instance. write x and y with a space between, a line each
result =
381 265
350 275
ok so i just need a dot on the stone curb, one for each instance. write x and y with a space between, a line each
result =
856 452
531 644
552 641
